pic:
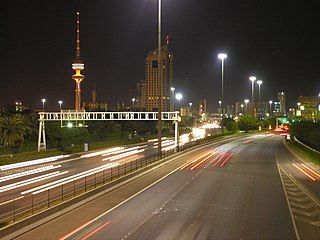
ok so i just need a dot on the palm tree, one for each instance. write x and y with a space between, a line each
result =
12 131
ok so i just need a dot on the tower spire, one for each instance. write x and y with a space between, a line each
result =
78 50
78 66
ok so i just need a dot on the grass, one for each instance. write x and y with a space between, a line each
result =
306 153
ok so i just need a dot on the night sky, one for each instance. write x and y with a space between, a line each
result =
278 41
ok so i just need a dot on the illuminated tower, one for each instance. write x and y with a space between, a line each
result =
78 66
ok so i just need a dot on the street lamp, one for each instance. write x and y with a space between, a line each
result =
172 97
190 105
270 102
252 79
220 102
259 85
60 103
246 101
43 100
241 105
133 100
179 97
222 57
159 81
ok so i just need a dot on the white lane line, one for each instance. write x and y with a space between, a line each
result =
72 177
32 162
30 172
9 201
30 181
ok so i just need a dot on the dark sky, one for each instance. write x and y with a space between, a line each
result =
278 41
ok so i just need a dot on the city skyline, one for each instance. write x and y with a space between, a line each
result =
41 43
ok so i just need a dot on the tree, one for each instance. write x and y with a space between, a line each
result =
13 129
247 123
230 124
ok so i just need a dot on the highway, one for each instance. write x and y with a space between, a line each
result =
227 191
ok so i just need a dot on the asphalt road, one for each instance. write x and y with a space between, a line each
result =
228 191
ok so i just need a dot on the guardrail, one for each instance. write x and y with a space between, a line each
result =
306 146
34 202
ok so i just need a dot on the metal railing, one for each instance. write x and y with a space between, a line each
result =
38 201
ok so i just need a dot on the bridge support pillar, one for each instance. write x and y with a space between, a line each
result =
42 137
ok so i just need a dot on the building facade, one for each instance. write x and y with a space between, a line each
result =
141 94
282 103
202 106
151 79
308 107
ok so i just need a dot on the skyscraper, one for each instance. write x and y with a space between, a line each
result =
77 66
141 94
282 102
151 79
202 106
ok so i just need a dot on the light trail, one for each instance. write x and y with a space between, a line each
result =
199 163
30 181
9 201
95 230
117 157
311 170
32 162
69 179
30 172
125 150
304 172
227 159
108 151
187 164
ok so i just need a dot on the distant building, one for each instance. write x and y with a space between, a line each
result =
185 112
141 94
151 79
282 103
202 106
276 109
19 107
308 107
94 105
263 109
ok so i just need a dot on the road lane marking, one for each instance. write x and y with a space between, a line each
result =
304 172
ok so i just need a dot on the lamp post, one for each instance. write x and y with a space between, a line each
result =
133 100
241 105
270 103
259 82
220 107
179 97
60 103
43 100
252 79
222 57
160 81
246 101
190 105
172 98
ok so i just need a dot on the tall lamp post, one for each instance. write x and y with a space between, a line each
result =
43 100
246 101
133 100
222 57
252 79
160 81
190 105
220 108
270 103
259 82
179 97
60 103
172 97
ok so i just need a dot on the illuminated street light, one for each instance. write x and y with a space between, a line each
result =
43 100
222 57
133 100
259 82
60 103
179 97
246 101
190 105
241 105
270 103
172 98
